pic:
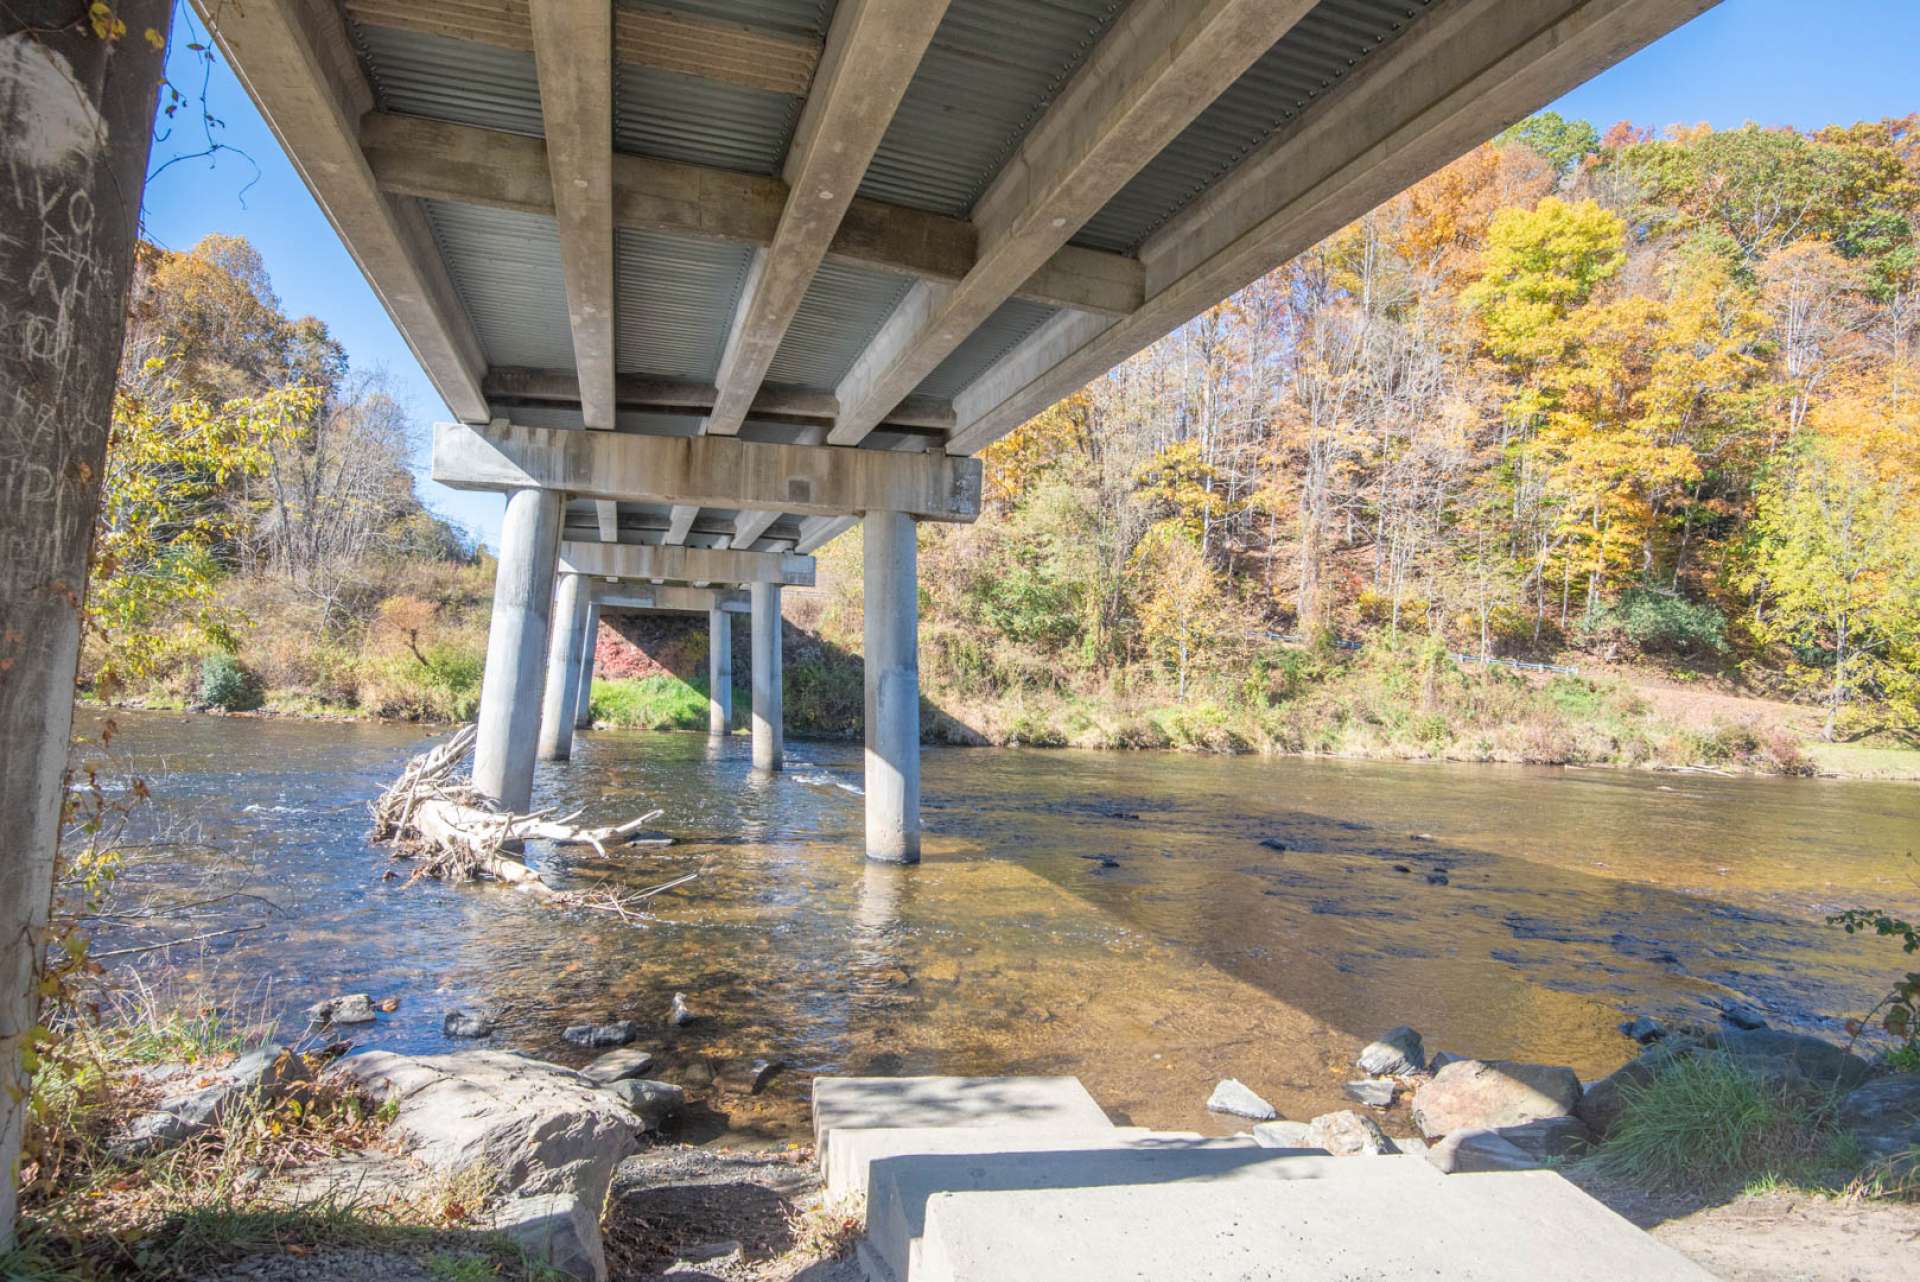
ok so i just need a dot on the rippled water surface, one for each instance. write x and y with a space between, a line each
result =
1150 922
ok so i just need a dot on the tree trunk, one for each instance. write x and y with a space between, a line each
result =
76 117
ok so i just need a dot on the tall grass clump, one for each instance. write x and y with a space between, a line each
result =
1709 1121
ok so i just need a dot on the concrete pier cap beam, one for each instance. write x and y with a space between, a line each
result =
891 590
769 731
510 690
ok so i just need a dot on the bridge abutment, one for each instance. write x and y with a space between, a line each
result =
769 731
891 590
510 690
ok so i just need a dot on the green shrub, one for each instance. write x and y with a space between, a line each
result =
226 683
1657 622
1709 1121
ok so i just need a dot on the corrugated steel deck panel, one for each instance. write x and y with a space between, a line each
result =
844 307
507 269
1009 325
701 122
993 68
676 298
794 17
1311 59
459 80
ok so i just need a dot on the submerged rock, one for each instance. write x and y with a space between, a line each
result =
1398 1052
1348 1134
1377 1092
618 1033
617 1066
1645 1030
1472 1094
1233 1097
350 1008
468 1021
1739 1014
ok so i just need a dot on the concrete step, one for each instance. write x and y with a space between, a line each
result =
843 1102
899 1187
853 1150
1517 1227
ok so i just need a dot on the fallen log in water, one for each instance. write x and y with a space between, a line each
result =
434 816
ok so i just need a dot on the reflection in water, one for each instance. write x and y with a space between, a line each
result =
1150 922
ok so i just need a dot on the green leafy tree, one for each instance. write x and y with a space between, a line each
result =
1562 143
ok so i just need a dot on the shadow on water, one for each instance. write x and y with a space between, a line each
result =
1114 916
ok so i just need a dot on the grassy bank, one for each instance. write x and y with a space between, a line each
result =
1400 702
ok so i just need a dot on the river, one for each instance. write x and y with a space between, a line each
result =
1151 922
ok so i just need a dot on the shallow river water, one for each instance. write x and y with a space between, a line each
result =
1250 918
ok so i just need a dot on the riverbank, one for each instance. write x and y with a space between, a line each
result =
1382 703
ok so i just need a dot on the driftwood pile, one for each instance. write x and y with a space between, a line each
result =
435 817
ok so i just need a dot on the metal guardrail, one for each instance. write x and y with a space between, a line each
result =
1522 665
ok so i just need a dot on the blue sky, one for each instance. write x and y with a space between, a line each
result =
1775 62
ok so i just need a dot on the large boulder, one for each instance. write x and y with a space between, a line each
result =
1884 1114
517 1116
1347 1134
1779 1055
1602 1102
1481 1094
1397 1053
207 1098
652 1102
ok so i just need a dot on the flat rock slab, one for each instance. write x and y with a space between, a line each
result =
951 1101
1237 1099
899 1188
617 1066
1518 1227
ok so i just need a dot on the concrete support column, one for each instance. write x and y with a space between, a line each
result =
893 687
566 639
719 672
769 734
517 648
583 690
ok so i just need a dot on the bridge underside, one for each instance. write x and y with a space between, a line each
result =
733 275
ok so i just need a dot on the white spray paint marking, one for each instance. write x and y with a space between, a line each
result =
49 120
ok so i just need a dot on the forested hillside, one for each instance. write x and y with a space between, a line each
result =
1600 399
1629 403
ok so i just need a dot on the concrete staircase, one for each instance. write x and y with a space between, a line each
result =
1024 1179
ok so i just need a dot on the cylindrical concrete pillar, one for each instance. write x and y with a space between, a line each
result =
719 672
769 734
517 648
583 687
565 641
893 687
